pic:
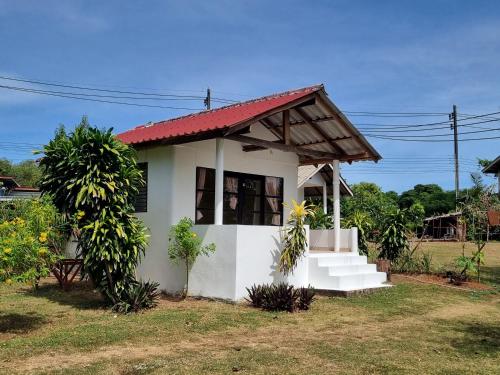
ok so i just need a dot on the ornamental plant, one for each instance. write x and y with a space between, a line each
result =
185 246
93 179
394 238
294 238
32 235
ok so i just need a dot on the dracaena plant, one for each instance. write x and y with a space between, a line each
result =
294 237
93 179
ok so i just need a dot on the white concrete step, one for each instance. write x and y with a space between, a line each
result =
340 260
351 269
359 280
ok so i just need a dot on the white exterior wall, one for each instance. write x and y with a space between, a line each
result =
324 239
172 192
245 255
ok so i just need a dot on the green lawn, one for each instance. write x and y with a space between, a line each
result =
443 254
410 328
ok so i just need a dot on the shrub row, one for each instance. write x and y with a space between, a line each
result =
280 297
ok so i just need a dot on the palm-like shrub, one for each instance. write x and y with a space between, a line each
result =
280 297
294 239
318 219
93 179
394 238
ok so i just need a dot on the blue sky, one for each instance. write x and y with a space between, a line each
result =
377 56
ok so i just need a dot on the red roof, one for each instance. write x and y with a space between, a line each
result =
220 118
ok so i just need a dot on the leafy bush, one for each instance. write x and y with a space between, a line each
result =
280 297
318 219
362 221
294 239
93 179
306 297
138 296
32 235
185 245
409 262
466 265
256 294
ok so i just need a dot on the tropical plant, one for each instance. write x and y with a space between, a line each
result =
466 265
363 222
256 294
394 239
294 238
185 246
32 235
280 297
319 219
93 179
139 295
306 297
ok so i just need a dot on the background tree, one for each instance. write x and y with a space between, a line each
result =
394 238
26 173
93 179
371 200
432 197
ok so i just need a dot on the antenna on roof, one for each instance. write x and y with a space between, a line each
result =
207 99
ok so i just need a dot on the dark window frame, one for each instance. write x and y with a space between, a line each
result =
241 196
142 195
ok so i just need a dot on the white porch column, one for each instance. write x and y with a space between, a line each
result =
336 205
219 180
325 198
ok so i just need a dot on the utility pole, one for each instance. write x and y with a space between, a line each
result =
207 99
453 116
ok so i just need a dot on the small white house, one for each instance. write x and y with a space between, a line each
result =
230 169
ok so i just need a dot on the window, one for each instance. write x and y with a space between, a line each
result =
248 199
141 200
205 195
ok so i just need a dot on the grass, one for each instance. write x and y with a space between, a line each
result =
444 253
410 328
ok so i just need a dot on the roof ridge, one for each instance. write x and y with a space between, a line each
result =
315 87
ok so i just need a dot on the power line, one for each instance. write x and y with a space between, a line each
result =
81 87
430 140
96 100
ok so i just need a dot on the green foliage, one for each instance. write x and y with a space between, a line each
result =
479 200
138 296
318 219
185 245
93 178
26 173
363 222
371 200
409 262
415 215
431 196
294 239
465 264
394 239
32 234
306 298
280 297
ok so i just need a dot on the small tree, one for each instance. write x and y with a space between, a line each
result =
93 179
480 199
185 246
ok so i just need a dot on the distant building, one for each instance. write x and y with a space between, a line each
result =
447 227
494 168
10 189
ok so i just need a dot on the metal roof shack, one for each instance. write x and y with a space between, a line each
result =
304 121
494 167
